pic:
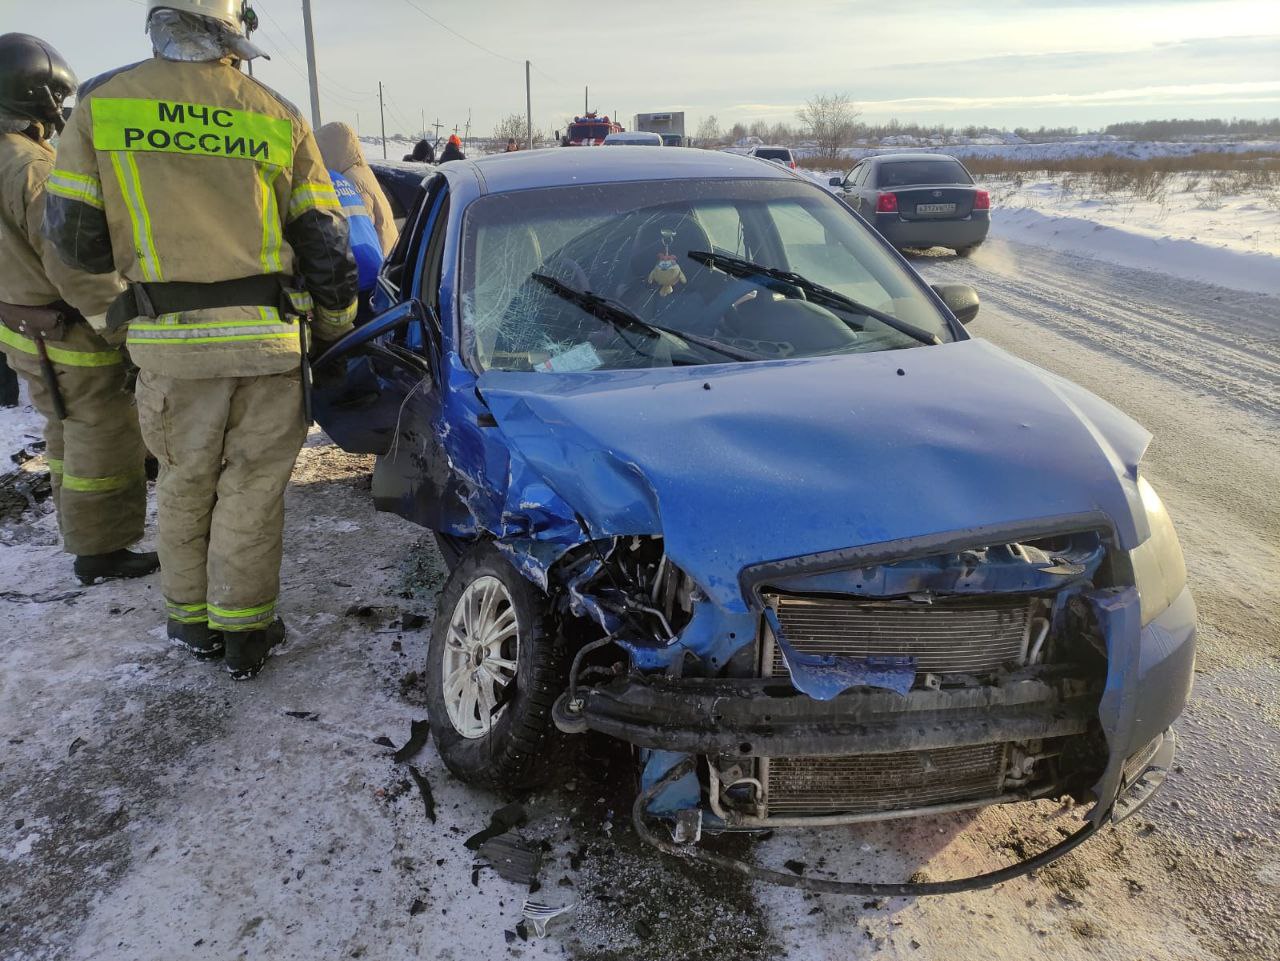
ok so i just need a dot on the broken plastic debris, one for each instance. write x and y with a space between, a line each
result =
419 732
538 915
513 857
502 821
428 799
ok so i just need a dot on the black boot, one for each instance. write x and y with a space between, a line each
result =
91 568
247 651
196 639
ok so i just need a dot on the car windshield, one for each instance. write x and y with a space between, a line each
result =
904 173
647 253
588 131
768 154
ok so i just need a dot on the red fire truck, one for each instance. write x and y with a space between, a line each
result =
590 130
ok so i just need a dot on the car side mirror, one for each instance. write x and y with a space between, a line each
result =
961 300
836 182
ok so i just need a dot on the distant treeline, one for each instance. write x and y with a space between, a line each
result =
859 132
1182 129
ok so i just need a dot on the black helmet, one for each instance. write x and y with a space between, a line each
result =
34 79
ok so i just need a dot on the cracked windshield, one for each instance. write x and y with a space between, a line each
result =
679 273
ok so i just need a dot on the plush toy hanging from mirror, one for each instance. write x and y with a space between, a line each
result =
667 273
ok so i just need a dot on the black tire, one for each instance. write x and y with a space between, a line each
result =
966 251
515 752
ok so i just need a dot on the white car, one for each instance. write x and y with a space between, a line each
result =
779 155
633 138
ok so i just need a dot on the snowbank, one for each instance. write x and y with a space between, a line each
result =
1188 230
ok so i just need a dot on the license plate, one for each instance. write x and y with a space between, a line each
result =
935 209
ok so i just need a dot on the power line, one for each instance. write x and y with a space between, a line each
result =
366 94
445 26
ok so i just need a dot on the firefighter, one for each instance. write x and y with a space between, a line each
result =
206 190
341 151
75 378
452 150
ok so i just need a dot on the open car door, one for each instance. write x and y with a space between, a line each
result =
362 382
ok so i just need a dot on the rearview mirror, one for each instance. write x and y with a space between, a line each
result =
961 300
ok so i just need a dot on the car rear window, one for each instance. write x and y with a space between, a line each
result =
768 154
904 173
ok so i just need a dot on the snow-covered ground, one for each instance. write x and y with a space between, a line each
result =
1188 229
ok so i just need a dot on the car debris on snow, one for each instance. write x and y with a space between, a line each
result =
419 734
540 915
503 820
428 799
514 857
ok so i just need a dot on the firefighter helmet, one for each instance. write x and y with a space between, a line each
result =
229 13
34 79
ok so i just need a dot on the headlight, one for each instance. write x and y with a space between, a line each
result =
1159 571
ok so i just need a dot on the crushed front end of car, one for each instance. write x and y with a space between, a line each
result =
896 599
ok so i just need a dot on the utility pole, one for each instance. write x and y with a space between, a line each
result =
313 76
383 114
586 101
528 105
424 123
437 125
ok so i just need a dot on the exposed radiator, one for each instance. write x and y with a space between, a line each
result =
818 786
946 638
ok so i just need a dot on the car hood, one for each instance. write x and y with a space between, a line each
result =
736 465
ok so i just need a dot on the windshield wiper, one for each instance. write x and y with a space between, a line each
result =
815 292
623 318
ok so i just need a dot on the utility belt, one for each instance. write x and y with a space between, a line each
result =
177 297
51 322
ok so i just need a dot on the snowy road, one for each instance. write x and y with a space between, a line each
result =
150 810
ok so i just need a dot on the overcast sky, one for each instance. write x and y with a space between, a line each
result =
998 62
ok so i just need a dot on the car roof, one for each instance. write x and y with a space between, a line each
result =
769 146
640 134
914 155
561 166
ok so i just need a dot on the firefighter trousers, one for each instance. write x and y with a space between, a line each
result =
226 447
96 457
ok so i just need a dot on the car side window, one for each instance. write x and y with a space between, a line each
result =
855 176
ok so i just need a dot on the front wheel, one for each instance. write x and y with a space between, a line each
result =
492 674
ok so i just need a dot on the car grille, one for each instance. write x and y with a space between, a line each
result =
827 786
952 638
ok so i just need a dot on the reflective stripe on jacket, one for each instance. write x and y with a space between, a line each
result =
31 272
196 172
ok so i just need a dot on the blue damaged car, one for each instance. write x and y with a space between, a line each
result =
718 475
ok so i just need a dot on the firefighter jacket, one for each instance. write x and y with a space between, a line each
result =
31 273
195 172
341 152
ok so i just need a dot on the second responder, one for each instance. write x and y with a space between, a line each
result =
74 377
206 191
